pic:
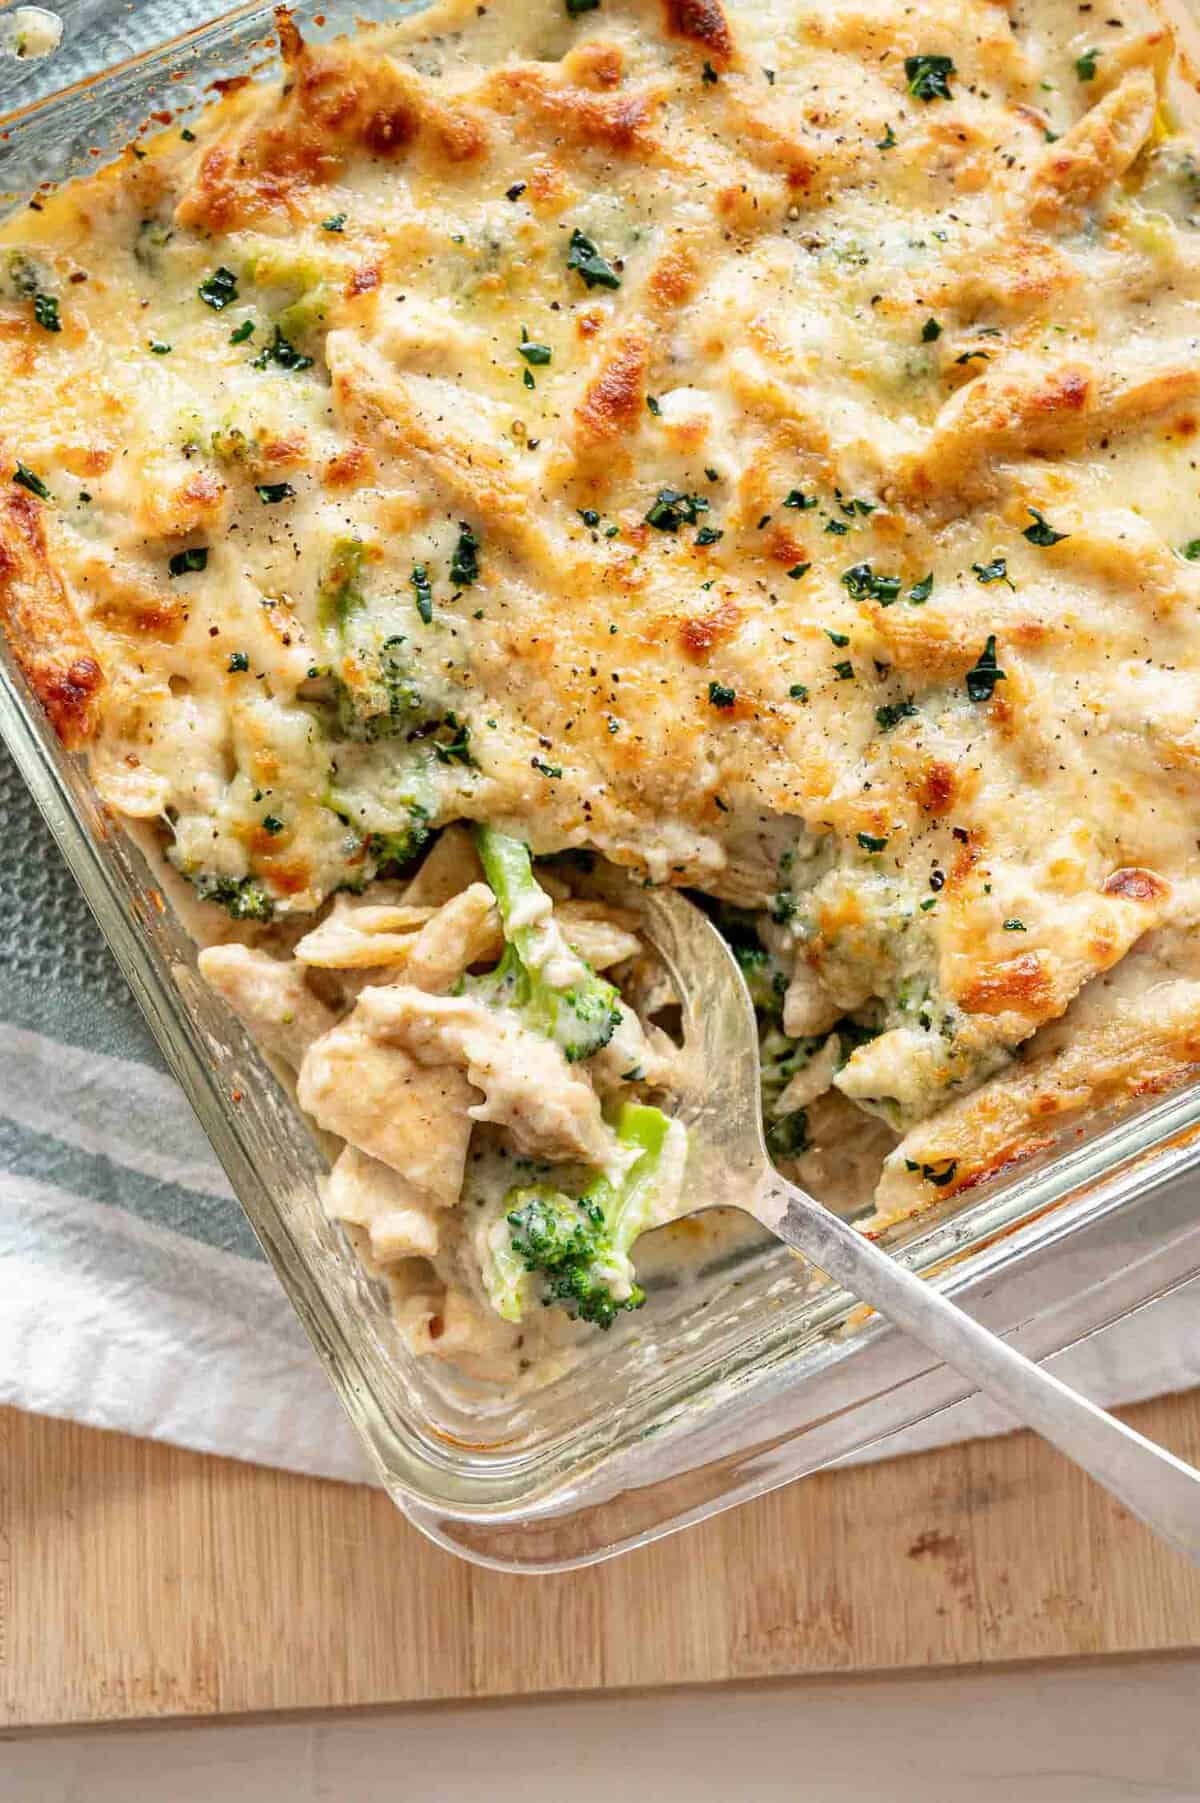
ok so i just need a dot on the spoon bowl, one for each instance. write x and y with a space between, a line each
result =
728 1166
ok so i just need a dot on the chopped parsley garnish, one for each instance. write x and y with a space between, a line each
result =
158 347
272 824
335 223
863 583
797 498
799 569
586 260
183 562
534 353
516 191
271 492
238 661
1041 533
423 592
709 76
243 896
982 679
709 535
938 1175
1013 925
283 352
893 712
673 509
29 479
457 749
844 671
219 290
930 331
188 136
589 516
921 591
888 140
652 405
971 356
720 696
240 333
1085 65
798 692
1192 550
45 311
869 842
577 7
836 638
464 565
553 771
995 571
929 76
838 527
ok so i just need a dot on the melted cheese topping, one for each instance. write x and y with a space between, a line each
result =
756 441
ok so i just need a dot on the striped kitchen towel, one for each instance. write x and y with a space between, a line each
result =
132 1292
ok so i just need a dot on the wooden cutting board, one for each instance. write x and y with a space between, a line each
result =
137 1580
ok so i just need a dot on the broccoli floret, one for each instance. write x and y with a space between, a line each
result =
340 593
575 1250
243 896
392 852
539 975
766 978
385 703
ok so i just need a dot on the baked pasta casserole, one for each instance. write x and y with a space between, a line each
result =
752 444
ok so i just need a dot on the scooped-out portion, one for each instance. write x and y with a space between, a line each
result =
486 1042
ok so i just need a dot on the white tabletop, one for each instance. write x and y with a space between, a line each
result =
1114 1732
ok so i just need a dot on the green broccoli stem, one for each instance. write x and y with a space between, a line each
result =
559 994
508 868
576 1249
627 1204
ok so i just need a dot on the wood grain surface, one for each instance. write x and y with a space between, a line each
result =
140 1581
137 1580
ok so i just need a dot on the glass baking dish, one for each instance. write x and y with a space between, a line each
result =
720 1389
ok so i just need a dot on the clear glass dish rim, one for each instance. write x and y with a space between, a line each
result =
1019 1219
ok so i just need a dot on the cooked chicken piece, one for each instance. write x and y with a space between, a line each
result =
529 1089
400 1221
410 1115
270 997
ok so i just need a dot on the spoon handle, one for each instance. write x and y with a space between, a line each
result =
1159 1488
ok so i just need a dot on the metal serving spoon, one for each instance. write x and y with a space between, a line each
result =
728 1166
